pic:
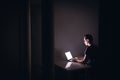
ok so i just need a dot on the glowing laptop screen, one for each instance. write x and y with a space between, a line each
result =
68 55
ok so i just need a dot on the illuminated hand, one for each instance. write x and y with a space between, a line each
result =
78 59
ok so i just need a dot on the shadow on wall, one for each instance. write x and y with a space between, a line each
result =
59 55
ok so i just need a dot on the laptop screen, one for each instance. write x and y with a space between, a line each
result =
68 55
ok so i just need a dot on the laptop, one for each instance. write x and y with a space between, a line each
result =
68 65
69 56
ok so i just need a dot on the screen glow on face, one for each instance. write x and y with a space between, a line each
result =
85 41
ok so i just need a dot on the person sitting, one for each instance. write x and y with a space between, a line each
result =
90 51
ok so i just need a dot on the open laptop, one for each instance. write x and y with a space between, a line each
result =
69 56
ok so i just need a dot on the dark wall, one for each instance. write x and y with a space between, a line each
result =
13 40
36 32
108 23
42 39
14 53
73 19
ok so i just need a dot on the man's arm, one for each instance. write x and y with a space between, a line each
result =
84 57
80 59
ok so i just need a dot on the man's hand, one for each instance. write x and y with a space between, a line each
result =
76 59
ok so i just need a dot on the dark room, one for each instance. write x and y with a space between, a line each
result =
56 40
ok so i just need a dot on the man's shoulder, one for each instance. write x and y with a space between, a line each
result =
94 46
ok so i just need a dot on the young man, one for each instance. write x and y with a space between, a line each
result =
90 51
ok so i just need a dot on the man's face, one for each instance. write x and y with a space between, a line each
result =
85 41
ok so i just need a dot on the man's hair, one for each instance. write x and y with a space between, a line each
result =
89 37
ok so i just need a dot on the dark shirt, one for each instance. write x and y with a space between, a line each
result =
91 52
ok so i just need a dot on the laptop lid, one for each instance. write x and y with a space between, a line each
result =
68 55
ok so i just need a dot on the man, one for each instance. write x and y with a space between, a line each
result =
90 51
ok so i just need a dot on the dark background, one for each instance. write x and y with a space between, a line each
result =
14 60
